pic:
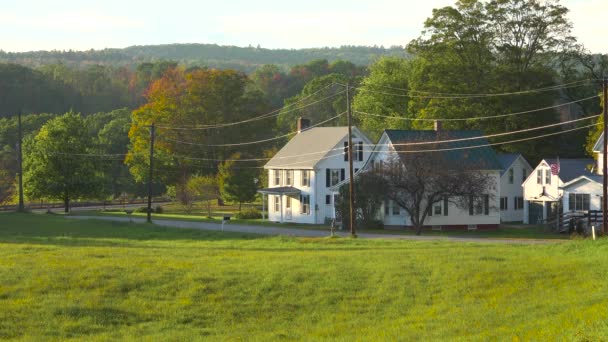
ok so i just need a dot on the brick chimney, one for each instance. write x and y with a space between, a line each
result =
303 124
438 126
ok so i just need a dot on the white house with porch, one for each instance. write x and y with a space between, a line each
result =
302 172
543 190
584 192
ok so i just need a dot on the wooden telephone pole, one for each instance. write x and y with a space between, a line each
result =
351 180
152 134
21 207
605 158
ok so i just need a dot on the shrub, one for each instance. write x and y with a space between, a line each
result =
250 213
373 224
158 209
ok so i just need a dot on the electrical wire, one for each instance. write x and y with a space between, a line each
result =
250 142
490 135
477 117
492 144
432 95
252 119
371 151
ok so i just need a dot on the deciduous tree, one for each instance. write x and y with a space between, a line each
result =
56 165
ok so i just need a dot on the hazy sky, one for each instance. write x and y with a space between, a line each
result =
27 25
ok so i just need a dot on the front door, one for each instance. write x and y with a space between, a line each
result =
288 208
535 212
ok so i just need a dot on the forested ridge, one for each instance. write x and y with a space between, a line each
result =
245 59
468 68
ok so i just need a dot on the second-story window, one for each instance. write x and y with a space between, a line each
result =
277 177
539 176
510 176
547 176
524 175
289 177
305 178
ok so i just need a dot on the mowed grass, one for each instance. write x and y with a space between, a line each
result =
92 280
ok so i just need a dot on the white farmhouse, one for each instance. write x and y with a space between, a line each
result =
483 213
515 171
301 173
544 190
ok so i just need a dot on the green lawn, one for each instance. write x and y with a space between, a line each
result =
93 280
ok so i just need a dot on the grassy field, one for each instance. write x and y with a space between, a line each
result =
62 280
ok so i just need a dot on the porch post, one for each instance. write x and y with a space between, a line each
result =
281 205
263 205
526 218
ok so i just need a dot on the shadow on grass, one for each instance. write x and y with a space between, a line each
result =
52 229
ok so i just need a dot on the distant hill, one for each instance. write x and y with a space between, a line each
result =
241 58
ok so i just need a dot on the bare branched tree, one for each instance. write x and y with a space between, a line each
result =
417 180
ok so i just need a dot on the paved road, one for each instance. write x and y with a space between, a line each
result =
267 230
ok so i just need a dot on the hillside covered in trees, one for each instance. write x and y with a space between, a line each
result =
246 59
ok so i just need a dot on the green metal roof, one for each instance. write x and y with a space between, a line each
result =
482 158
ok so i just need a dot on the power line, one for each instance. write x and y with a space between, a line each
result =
341 149
251 142
432 95
478 117
491 135
265 116
491 144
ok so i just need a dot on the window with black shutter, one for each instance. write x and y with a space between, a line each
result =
342 174
486 204
327 178
360 150
471 204
346 151
327 199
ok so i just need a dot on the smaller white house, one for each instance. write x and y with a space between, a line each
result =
516 170
585 192
301 173
544 190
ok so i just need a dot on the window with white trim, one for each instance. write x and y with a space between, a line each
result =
479 205
511 174
539 176
304 204
305 178
518 203
277 203
438 208
524 175
277 177
547 176
396 209
504 203
288 177
579 201
334 176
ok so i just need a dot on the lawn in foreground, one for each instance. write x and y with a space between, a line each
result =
62 279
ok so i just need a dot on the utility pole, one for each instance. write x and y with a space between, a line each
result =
152 133
351 180
605 159
20 161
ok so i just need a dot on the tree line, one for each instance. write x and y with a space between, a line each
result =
246 59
